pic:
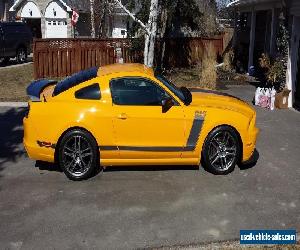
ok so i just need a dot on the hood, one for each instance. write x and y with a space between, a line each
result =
215 99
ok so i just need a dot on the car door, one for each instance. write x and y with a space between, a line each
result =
143 130
10 40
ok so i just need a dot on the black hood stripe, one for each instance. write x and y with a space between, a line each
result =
196 90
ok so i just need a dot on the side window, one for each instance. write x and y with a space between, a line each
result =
136 91
91 92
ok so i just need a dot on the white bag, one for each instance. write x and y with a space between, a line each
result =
273 93
259 91
265 97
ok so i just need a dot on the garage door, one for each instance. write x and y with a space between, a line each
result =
56 29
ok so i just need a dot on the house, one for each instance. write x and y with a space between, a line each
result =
52 18
5 15
256 27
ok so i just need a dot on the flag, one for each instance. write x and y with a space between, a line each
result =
75 17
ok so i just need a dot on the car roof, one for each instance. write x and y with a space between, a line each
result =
124 68
91 73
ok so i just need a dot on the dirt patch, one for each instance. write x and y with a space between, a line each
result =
14 81
190 78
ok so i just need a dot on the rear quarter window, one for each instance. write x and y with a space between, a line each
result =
91 92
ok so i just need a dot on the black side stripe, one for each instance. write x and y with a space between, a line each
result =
108 147
190 145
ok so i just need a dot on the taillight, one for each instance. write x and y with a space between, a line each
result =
27 111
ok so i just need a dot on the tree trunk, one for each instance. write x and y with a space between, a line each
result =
151 38
163 27
151 30
93 32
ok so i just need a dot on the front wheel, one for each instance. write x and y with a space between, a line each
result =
78 155
221 150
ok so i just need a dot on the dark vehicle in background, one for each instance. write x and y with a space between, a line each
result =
15 41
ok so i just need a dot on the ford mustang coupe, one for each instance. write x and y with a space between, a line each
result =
125 114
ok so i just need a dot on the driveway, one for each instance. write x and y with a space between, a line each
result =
143 207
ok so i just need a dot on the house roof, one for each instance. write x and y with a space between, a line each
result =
80 5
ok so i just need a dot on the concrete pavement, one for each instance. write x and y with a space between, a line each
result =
128 208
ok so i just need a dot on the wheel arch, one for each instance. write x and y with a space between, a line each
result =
63 134
237 133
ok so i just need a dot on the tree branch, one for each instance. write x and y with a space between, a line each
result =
133 16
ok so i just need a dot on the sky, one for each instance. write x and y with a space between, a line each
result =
222 1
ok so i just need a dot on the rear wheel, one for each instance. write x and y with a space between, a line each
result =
221 150
21 55
78 155
4 60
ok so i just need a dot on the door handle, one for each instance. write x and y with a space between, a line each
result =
122 116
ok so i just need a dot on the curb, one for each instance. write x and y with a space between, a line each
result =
14 104
15 65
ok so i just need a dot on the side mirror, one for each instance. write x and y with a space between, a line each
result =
167 104
188 98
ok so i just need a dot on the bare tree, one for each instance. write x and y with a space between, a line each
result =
150 30
92 10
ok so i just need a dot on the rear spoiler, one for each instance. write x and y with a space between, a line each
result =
35 88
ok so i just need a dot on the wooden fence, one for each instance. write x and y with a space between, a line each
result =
63 57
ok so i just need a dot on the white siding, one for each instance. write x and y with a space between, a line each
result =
30 10
295 7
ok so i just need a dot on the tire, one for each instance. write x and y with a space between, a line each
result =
5 60
221 151
78 155
21 55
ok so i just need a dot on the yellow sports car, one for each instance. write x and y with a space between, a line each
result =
125 114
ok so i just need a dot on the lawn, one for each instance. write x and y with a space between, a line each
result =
13 82
190 78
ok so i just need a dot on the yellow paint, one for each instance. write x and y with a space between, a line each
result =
145 126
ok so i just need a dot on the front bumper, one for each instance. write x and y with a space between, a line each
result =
249 146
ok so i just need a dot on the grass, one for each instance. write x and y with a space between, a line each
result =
14 81
190 78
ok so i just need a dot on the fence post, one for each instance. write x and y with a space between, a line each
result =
78 52
34 59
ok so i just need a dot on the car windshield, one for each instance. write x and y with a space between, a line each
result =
171 87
